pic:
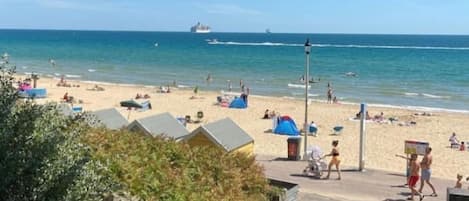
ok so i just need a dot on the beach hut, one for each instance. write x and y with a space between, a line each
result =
161 124
111 118
224 134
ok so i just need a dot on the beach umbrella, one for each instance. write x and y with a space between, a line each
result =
130 104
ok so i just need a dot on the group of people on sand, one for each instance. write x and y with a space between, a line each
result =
269 114
165 89
419 171
454 143
140 96
378 118
63 83
96 88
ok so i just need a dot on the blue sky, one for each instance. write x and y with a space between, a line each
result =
297 16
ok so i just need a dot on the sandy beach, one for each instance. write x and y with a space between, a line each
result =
383 140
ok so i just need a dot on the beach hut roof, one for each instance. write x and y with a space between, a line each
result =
111 118
159 124
226 133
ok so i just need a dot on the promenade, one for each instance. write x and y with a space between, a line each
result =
371 185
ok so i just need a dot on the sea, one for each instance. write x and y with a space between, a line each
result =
427 72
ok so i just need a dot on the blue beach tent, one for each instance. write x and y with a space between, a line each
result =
238 103
286 126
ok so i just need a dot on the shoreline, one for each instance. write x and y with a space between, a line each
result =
311 99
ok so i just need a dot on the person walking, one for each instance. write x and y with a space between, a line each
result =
335 159
426 164
414 177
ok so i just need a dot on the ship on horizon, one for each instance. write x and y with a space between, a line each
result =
200 28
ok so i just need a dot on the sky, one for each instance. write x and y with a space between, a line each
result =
294 16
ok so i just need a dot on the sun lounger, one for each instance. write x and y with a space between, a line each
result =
338 130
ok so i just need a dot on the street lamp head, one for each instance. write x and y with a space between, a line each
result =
307 46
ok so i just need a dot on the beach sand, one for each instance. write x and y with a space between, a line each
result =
383 141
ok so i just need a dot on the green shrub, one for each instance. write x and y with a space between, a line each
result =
41 155
161 169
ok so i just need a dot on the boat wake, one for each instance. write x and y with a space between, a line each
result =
426 95
336 45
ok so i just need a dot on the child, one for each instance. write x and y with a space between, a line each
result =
458 182
462 147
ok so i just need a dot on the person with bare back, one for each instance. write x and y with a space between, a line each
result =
427 171
414 177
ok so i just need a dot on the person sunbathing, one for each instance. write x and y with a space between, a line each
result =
146 96
379 117
138 96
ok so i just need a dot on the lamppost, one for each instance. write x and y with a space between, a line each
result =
306 80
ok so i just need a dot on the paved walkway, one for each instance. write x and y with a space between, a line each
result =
372 185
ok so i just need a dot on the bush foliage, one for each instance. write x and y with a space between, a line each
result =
161 169
41 155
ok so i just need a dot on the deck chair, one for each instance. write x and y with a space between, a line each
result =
313 130
338 130
200 115
188 119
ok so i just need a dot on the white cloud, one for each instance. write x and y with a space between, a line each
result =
228 9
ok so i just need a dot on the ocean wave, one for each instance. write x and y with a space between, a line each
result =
434 96
426 95
91 70
303 94
297 85
72 76
337 45
411 94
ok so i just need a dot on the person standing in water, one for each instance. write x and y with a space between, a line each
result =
230 87
209 78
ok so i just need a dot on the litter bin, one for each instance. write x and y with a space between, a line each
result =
294 148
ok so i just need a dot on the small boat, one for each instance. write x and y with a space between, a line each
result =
268 31
156 44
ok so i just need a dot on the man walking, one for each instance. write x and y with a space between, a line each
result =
427 171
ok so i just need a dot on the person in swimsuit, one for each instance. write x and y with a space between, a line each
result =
427 171
414 177
335 159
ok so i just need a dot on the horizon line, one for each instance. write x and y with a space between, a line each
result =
331 33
